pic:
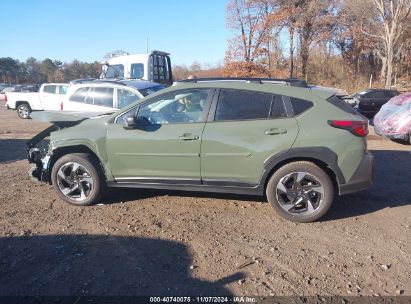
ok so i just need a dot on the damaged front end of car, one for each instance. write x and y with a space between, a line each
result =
40 148
38 155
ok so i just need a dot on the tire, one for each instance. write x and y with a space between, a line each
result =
83 187
293 186
23 111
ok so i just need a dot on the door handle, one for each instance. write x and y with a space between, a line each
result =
188 136
275 131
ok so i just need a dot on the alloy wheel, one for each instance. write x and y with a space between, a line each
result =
75 181
299 193
23 112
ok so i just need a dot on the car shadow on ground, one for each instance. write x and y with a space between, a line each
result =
12 150
64 265
391 175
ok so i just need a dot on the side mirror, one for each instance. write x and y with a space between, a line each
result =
136 122
130 122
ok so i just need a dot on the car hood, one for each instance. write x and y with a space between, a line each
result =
65 119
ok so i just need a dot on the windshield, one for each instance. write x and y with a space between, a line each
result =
147 91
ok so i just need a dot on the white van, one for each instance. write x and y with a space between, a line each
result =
154 66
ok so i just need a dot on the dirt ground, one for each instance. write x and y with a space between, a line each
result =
141 242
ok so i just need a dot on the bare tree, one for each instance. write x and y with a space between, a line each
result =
249 17
393 18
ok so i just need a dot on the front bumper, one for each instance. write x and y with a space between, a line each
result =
38 155
362 178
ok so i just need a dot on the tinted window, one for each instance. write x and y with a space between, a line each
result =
51 89
244 105
300 105
375 94
125 97
391 94
137 70
103 97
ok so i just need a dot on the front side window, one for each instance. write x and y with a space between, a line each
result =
126 97
246 105
185 106
115 71
103 97
137 70
51 89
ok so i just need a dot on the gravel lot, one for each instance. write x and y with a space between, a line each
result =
173 243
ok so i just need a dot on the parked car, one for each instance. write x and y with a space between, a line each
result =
11 88
4 85
394 119
105 95
370 101
299 147
49 97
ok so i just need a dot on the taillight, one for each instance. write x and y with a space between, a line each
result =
356 127
5 97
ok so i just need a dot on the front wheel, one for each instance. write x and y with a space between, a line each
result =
23 111
78 179
300 192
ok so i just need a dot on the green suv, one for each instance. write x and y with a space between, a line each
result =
298 146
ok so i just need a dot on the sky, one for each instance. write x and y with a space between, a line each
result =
191 30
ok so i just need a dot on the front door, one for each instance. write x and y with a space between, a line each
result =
167 147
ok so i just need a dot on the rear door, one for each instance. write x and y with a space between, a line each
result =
103 99
80 100
247 128
48 98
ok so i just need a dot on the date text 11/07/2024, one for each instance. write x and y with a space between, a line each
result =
203 299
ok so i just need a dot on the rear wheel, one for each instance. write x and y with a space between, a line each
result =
300 192
23 111
78 179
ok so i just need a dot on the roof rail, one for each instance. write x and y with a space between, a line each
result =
82 80
96 80
290 81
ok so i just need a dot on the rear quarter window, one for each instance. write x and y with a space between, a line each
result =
300 105
339 103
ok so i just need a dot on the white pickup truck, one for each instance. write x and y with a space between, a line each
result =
49 97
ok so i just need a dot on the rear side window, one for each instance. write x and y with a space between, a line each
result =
246 105
103 97
51 89
80 95
300 105
63 90
339 103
